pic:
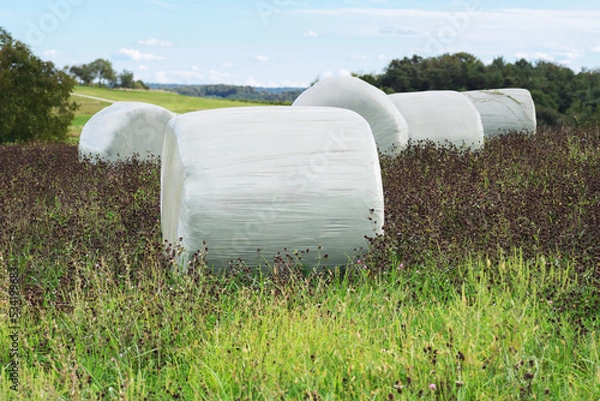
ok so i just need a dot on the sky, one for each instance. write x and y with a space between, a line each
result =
276 43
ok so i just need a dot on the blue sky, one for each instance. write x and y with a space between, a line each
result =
292 42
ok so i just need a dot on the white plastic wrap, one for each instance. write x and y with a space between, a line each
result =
267 178
440 116
124 129
387 124
504 110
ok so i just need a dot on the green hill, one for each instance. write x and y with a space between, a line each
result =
100 98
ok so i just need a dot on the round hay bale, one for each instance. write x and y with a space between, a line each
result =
504 110
270 178
440 116
123 130
387 124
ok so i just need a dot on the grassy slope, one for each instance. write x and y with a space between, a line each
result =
172 101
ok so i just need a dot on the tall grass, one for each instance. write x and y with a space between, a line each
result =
486 286
409 334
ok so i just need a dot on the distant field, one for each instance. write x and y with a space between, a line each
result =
172 101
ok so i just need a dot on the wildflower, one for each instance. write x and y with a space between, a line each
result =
432 387
401 266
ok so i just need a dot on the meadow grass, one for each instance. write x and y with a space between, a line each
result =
486 286
171 101
175 102
408 334
86 109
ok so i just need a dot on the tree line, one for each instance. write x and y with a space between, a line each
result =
235 92
35 101
101 72
561 95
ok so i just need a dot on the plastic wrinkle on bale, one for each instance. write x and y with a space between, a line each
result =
504 110
387 124
123 130
270 178
441 116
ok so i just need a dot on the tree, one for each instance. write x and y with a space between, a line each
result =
35 100
104 71
560 94
99 69
126 80
84 73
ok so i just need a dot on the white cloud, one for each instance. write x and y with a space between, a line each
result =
476 26
568 57
311 34
178 76
250 81
51 52
381 57
543 56
195 68
156 42
143 67
136 55
360 57
557 56
262 59
595 49
342 72
228 64
217 76
294 84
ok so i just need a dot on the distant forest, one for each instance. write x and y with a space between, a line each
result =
233 92
561 95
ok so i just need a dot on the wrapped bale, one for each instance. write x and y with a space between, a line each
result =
123 130
387 124
269 178
504 110
440 116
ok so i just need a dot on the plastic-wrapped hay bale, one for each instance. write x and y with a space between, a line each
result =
124 129
504 110
268 178
387 124
440 116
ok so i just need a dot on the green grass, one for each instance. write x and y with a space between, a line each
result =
496 336
172 101
486 286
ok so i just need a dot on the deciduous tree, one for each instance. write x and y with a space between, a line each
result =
35 100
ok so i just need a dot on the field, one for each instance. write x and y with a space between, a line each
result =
172 101
485 287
